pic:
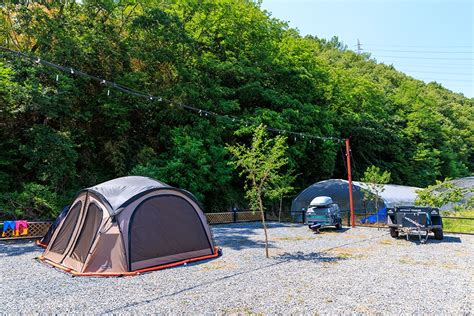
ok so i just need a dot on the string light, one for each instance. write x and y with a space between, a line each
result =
133 92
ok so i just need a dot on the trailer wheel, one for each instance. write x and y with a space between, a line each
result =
438 234
338 226
393 232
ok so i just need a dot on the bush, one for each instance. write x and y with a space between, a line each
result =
33 202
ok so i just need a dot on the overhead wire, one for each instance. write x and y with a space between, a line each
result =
202 112
444 79
418 51
424 57
442 73
429 65
420 46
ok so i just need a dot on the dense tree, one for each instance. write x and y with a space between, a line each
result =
226 56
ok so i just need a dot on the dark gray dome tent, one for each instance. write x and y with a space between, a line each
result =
338 190
130 225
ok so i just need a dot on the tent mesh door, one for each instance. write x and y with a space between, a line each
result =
63 237
88 233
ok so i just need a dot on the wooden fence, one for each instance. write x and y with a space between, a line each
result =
39 229
232 217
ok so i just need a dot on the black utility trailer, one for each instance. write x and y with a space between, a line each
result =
411 220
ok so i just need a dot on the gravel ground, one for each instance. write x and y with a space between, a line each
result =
359 270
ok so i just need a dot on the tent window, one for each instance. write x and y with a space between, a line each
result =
64 236
88 233
165 225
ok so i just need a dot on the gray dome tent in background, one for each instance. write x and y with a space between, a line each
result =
466 185
338 190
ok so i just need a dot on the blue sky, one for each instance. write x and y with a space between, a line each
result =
431 40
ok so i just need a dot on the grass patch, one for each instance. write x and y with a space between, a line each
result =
459 225
428 263
298 238
345 255
350 253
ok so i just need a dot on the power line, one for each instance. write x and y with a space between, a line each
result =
418 51
420 57
442 73
125 89
423 46
443 79
431 65
460 85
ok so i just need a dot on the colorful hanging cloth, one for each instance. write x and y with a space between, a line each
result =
6 226
21 228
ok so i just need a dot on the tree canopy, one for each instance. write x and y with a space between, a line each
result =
226 56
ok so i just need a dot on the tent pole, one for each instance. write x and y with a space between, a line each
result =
349 178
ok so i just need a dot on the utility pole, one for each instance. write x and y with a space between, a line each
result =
359 47
349 178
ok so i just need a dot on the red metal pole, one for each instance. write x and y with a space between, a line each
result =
349 178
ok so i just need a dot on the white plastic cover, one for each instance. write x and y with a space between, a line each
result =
321 201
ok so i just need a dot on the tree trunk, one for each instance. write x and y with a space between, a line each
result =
260 204
279 213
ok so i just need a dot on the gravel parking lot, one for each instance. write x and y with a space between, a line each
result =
360 270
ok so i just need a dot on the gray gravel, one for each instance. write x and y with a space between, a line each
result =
360 270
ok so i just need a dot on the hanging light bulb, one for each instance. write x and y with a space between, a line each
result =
72 71
108 92
102 82
57 78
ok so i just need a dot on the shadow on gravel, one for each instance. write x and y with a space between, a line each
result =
239 236
17 248
309 257
431 240
121 309
333 230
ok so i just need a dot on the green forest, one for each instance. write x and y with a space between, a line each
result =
60 132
